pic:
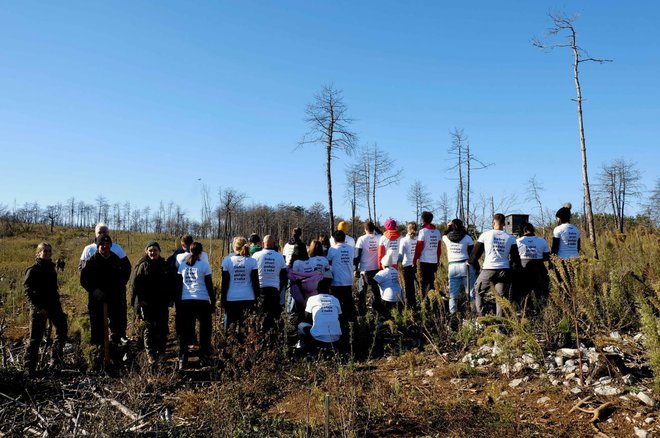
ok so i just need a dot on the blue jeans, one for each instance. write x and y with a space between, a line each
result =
458 273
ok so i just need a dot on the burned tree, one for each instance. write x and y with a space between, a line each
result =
561 24
619 181
329 126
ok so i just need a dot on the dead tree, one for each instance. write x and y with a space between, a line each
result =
534 189
561 24
329 126
420 198
618 182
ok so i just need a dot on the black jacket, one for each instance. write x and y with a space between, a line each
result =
108 274
154 283
40 284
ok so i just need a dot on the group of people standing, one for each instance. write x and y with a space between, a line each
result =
319 278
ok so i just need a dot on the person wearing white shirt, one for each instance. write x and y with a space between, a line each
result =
459 245
240 283
102 229
343 226
387 278
406 254
566 236
534 251
341 258
272 271
427 252
501 255
366 264
322 327
197 303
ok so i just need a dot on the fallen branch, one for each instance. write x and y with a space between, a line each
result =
120 407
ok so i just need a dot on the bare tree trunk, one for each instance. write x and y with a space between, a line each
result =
328 171
591 229
467 196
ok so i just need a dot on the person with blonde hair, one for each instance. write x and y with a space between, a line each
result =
240 283
40 287
407 246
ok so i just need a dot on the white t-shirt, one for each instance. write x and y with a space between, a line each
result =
431 239
90 249
302 266
497 246
407 247
390 244
368 243
181 258
341 259
287 252
349 240
325 310
240 284
458 251
532 247
390 288
319 263
568 236
194 287
270 264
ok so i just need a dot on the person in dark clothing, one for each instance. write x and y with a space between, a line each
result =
255 243
186 241
40 288
104 277
152 293
295 248
533 251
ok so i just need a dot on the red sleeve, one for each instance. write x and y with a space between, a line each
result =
381 254
418 251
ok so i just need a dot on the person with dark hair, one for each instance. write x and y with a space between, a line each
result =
104 277
366 266
459 245
322 326
427 252
406 254
184 254
295 248
185 242
255 243
501 256
197 303
318 262
341 258
343 226
325 243
534 251
240 284
40 287
390 240
565 236
272 272
100 230
152 293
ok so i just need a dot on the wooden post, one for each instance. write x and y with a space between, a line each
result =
106 336
326 414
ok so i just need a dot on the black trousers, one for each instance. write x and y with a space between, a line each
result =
428 276
237 311
375 291
533 277
345 296
156 319
271 307
409 279
187 313
116 319
38 328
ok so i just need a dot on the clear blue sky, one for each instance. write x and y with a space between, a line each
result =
137 100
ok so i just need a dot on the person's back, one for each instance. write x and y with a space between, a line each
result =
340 257
532 248
368 246
569 236
269 265
194 287
497 247
325 310
240 283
